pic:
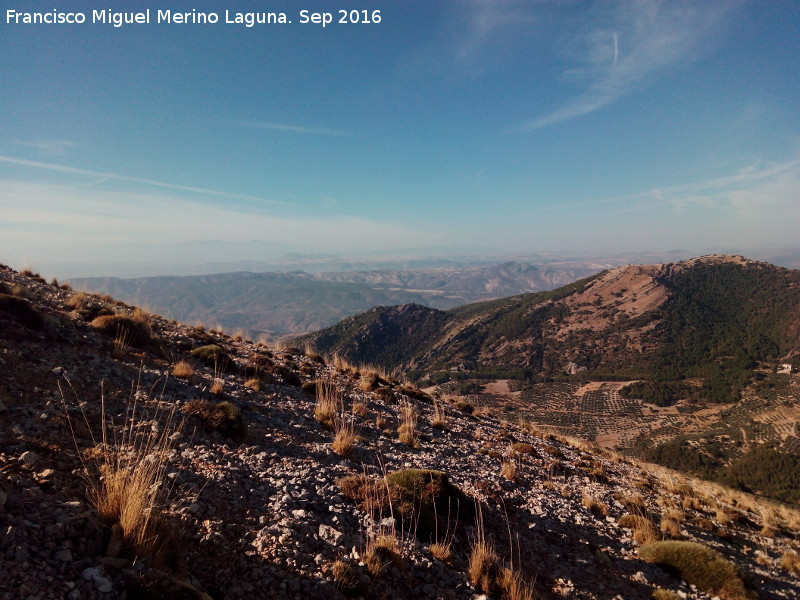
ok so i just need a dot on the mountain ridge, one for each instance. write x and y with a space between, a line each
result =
603 322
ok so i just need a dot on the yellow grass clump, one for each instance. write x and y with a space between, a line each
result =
183 369
407 431
329 403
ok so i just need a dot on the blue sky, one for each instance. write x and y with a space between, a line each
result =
586 127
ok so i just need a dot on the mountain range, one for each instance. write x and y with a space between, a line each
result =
286 304
712 316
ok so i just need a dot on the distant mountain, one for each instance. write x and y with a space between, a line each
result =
714 317
292 303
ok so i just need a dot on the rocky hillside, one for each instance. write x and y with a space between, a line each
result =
713 317
143 458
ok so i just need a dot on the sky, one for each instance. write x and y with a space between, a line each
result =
504 126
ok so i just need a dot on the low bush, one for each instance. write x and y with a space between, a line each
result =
420 499
134 332
522 448
416 393
465 407
20 310
224 417
701 566
215 357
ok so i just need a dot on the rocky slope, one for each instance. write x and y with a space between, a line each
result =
263 513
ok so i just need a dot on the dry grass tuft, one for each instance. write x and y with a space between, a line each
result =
78 300
442 551
644 529
344 439
407 431
130 494
329 403
217 387
183 369
523 448
345 576
509 470
662 594
594 506
360 409
368 383
486 572
791 562
671 528
633 503
136 332
439 420
484 565
254 383
513 586
381 551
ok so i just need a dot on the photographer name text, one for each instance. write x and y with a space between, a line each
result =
194 17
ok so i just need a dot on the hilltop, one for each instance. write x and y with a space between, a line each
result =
253 487
661 321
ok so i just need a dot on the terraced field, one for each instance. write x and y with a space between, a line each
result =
596 411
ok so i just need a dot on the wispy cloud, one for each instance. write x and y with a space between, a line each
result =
483 23
290 128
621 49
755 187
49 147
41 221
100 176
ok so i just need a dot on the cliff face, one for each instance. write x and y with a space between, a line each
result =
247 498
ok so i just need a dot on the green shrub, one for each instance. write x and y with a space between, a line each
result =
523 448
427 494
416 393
289 377
465 407
224 417
701 566
215 357
416 497
20 310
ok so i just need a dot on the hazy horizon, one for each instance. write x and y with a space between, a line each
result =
478 128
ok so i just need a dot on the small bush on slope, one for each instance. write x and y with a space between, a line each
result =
701 566
416 497
224 417
21 311
134 332
216 357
